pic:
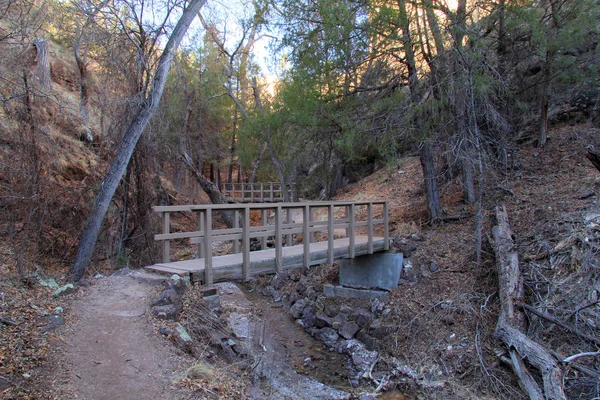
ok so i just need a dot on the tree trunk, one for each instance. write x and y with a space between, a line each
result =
431 190
511 322
130 138
42 64
212 190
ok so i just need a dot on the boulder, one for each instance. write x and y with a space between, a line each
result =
182 338
322 321
362 317
308 318
52 322
348 330
297 309
327 335
169 296
168 311
366 339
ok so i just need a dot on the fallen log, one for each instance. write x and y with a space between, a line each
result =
509 329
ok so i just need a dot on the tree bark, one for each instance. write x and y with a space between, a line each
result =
212 190
42 64
431 190
132 134
511 322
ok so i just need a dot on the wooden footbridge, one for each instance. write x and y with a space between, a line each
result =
262 192
300 234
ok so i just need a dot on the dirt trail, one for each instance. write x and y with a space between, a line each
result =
110 350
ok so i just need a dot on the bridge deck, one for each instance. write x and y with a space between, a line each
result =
229 267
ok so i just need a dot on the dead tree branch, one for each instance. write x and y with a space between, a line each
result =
510 322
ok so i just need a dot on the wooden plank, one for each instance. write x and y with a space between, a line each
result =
200 228
306 239
236 225
166 255
246 244
370 225
330 218
208 257
278 239
386 227
352 232
263 219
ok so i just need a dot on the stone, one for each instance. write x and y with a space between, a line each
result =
168 311
322 321
330 309
279 280
178 283
338 321
165 331
348 330
66 289
312 293
404 246
308 318
53 322
267 291
381 331
433 267
327 335
169 296
367 397
362 317
297 309
182 338
301 285
366 339
294 296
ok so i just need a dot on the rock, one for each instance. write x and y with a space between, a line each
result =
416 237
320 304
312 293
169 296
294 297
362 358
448 320
308 318
381 331
326 335
297 309
66 289
178 283
330 309
322 321
168 311
377 306
362 317
348 330
267 291
367 397
369 342
53 322
433 266
338 321
279 280
165 331
301 285
404 246
354 383
182 338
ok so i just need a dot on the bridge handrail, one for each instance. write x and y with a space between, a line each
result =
256 191
206 234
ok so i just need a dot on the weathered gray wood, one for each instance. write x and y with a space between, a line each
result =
305 233
510 322
352 230
330 218
288 221
386 226
263 219
246 244
278 240
370 226
236 224
208 275
166 244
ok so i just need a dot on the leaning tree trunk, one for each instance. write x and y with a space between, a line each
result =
127 145
212 190
509 330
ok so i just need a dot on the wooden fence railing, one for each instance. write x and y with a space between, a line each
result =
261 192
278 221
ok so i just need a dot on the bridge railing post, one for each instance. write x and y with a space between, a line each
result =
246 244
330 218
288 220
208 272
370 227
306 232
263 221
166 224
201 229
236 224
386 227
278 239
351 231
